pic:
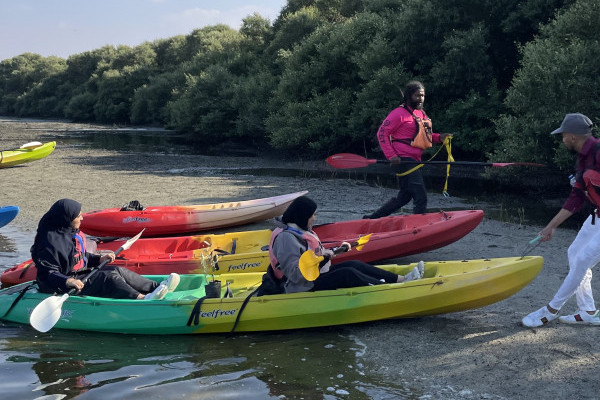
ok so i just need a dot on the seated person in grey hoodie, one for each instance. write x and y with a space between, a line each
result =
288 245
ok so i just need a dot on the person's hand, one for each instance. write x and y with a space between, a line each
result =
395 160
328 253
443 136
547 233
75 283
109 257
347 245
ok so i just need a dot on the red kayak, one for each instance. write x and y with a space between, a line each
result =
247 251
175 220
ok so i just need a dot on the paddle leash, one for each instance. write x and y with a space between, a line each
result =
46 314
448 146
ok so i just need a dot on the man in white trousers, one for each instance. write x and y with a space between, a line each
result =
584 252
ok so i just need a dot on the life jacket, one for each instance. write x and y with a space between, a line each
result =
80 250
311 239
588 181
591 178
423 137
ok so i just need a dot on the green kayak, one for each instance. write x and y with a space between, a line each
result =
447 286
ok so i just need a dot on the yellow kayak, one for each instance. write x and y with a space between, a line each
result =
447 286
26 153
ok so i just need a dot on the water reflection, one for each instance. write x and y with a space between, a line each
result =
14 246
136 140
312 364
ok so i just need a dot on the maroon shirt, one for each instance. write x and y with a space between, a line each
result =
586 159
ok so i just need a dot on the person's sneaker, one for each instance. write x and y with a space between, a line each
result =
539 318
416 273
421 267
581 318
158 294
171 282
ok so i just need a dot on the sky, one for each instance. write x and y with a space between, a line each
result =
65 27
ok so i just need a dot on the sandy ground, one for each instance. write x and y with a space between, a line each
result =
475 354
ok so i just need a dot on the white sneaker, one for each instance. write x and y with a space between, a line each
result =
421 267
416 273
171 282
158 294
539 318
581 318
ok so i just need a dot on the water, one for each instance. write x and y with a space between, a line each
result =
319 364
323 363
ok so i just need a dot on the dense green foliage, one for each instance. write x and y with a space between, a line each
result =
500 75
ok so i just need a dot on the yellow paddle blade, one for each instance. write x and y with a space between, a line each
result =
309 265
362 241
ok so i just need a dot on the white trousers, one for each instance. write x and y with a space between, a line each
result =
584 254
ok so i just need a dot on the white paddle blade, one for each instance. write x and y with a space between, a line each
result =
31 145
131 241
46 314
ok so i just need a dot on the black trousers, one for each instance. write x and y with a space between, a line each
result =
412 187
352 274
117 283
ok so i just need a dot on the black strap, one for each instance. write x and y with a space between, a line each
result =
195 314
246 300
25 269
19 297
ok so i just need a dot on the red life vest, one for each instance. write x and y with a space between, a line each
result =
588 181
591 178
311 239
80 249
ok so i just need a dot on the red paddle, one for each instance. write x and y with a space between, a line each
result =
348 160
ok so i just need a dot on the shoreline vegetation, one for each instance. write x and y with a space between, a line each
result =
483 353
323 75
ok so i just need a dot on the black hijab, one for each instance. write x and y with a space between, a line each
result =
299 212
53 244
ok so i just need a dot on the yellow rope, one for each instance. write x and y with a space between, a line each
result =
447 144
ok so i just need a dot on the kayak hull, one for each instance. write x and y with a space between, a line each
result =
247 251
448 286
7 214
173 220
399 236
10 158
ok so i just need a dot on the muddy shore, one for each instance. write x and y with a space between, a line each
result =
483 353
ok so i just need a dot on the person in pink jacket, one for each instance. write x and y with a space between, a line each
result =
403 136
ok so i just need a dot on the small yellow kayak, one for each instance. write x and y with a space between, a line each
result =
447 286
28 152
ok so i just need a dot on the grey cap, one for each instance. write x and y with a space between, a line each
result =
575 123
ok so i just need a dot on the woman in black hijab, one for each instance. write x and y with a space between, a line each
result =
289 245
54 254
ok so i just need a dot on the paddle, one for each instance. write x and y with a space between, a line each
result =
46 314
348 160
533 243
309 261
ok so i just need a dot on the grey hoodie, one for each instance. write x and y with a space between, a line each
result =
288 247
